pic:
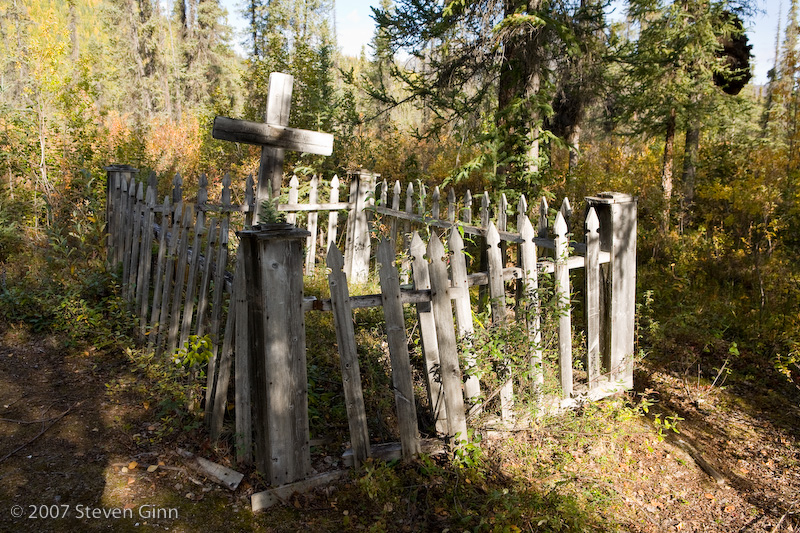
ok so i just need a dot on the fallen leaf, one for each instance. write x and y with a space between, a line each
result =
730 509
709 495
132 465
152 468
131 481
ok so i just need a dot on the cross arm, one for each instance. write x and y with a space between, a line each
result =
245 131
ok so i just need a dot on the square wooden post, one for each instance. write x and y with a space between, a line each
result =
617 216
273 269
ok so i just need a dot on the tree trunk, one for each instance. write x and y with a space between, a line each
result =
574 140
691 148
667 168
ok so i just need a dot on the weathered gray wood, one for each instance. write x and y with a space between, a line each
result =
398 350
313 216
422 197
466 213
222 378
497 297
617 215
319 206
392 451
563 306
158 276
396 207
294 187
348 357
146 254
459 292
427 333
450 370
180 280
219 270
242 361
532 311
169 276
205 282
278 108
245 131
593 296
384 194
566 212
333 216
191 280
137 212
177 188
451 205
435 199
485 215
497 292
262 501
358 250
129 196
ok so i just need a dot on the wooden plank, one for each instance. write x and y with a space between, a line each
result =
466 213
191 281
286 366
169 275
262 501
497 298
566 212
593 296
497 292
257 133
178 297
205 281
241 361
137 211
219 283
278 108
563 307
459 292
358 261
313 216
317 206
348 357
333 216
396 207
129 197
146 254
532 310
158 276
451 205
398 351
392 451
450 370
294 187
222 378
427 334
219 365
435 199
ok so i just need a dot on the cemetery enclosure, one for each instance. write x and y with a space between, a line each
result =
180 277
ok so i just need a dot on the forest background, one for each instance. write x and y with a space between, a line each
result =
541 97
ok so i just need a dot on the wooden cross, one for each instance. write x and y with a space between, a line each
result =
273 136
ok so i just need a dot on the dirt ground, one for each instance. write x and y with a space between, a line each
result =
72 460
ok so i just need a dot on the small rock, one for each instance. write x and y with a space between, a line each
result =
178 486
190 495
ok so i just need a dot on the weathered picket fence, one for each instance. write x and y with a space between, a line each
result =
179 276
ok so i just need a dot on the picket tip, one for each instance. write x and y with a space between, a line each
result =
492 236
335 258
526 229
560 226
417 247
335 181
435 248
592 221
455 241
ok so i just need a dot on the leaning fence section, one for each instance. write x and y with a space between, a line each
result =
183 274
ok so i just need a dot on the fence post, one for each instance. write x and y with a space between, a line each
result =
273 267
617 215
